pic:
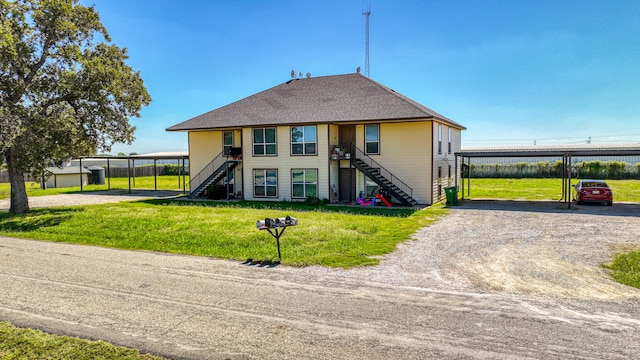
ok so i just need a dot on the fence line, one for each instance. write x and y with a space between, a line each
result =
117 172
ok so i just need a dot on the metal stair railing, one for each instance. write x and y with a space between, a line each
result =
360 155
207 171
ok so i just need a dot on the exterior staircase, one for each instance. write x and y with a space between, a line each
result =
211 174
384 178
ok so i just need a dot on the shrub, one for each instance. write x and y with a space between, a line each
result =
216 192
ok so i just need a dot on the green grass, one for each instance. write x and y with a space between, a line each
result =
26 344
542 189
163 183
330 236
625 268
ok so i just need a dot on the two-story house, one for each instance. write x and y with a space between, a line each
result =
330 137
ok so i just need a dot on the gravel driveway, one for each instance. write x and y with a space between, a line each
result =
515 247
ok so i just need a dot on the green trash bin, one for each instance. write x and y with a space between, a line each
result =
452 195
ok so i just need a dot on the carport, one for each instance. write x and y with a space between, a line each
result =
180 157
555 152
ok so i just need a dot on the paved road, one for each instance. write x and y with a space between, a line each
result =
199 308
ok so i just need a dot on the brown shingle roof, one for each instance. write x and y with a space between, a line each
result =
325 99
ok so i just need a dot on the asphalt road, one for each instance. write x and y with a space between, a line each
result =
186 307
197 308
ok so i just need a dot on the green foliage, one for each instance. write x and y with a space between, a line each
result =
62 93
216 192
315 201
175 169
331 236
625 268
19 343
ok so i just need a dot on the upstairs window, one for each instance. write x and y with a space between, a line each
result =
264 141
303 140
372 139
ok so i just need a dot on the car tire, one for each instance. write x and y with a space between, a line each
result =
578 202
609 203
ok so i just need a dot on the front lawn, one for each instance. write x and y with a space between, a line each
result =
19 343
328 236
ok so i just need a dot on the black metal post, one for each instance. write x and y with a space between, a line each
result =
277 236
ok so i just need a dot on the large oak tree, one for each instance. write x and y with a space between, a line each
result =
65 89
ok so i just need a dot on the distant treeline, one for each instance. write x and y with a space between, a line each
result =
596 169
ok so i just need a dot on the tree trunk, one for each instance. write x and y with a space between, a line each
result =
19 200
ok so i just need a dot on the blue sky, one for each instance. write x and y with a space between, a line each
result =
513 72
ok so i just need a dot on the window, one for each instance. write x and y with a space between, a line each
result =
371 188
303 140
265 183
304 183
439 139
227 142
264 141
449 151
372 139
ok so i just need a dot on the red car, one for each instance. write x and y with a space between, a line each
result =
593 191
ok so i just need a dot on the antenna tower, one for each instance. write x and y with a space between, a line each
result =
366 37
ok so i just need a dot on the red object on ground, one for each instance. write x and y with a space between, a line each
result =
384 201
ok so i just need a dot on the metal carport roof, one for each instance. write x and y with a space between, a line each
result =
566 152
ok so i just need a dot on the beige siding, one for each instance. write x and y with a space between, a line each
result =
444 160
204 146
284 162
405 150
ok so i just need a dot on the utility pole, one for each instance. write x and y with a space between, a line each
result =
366 56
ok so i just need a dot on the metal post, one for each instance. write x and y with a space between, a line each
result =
80 174
469 176
108 175
277 236
564 175
226 171
184 179
129 173
155 175
569 184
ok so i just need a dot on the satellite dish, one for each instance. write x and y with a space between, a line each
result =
358 69
308 75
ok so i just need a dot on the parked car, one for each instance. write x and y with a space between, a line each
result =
593 191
